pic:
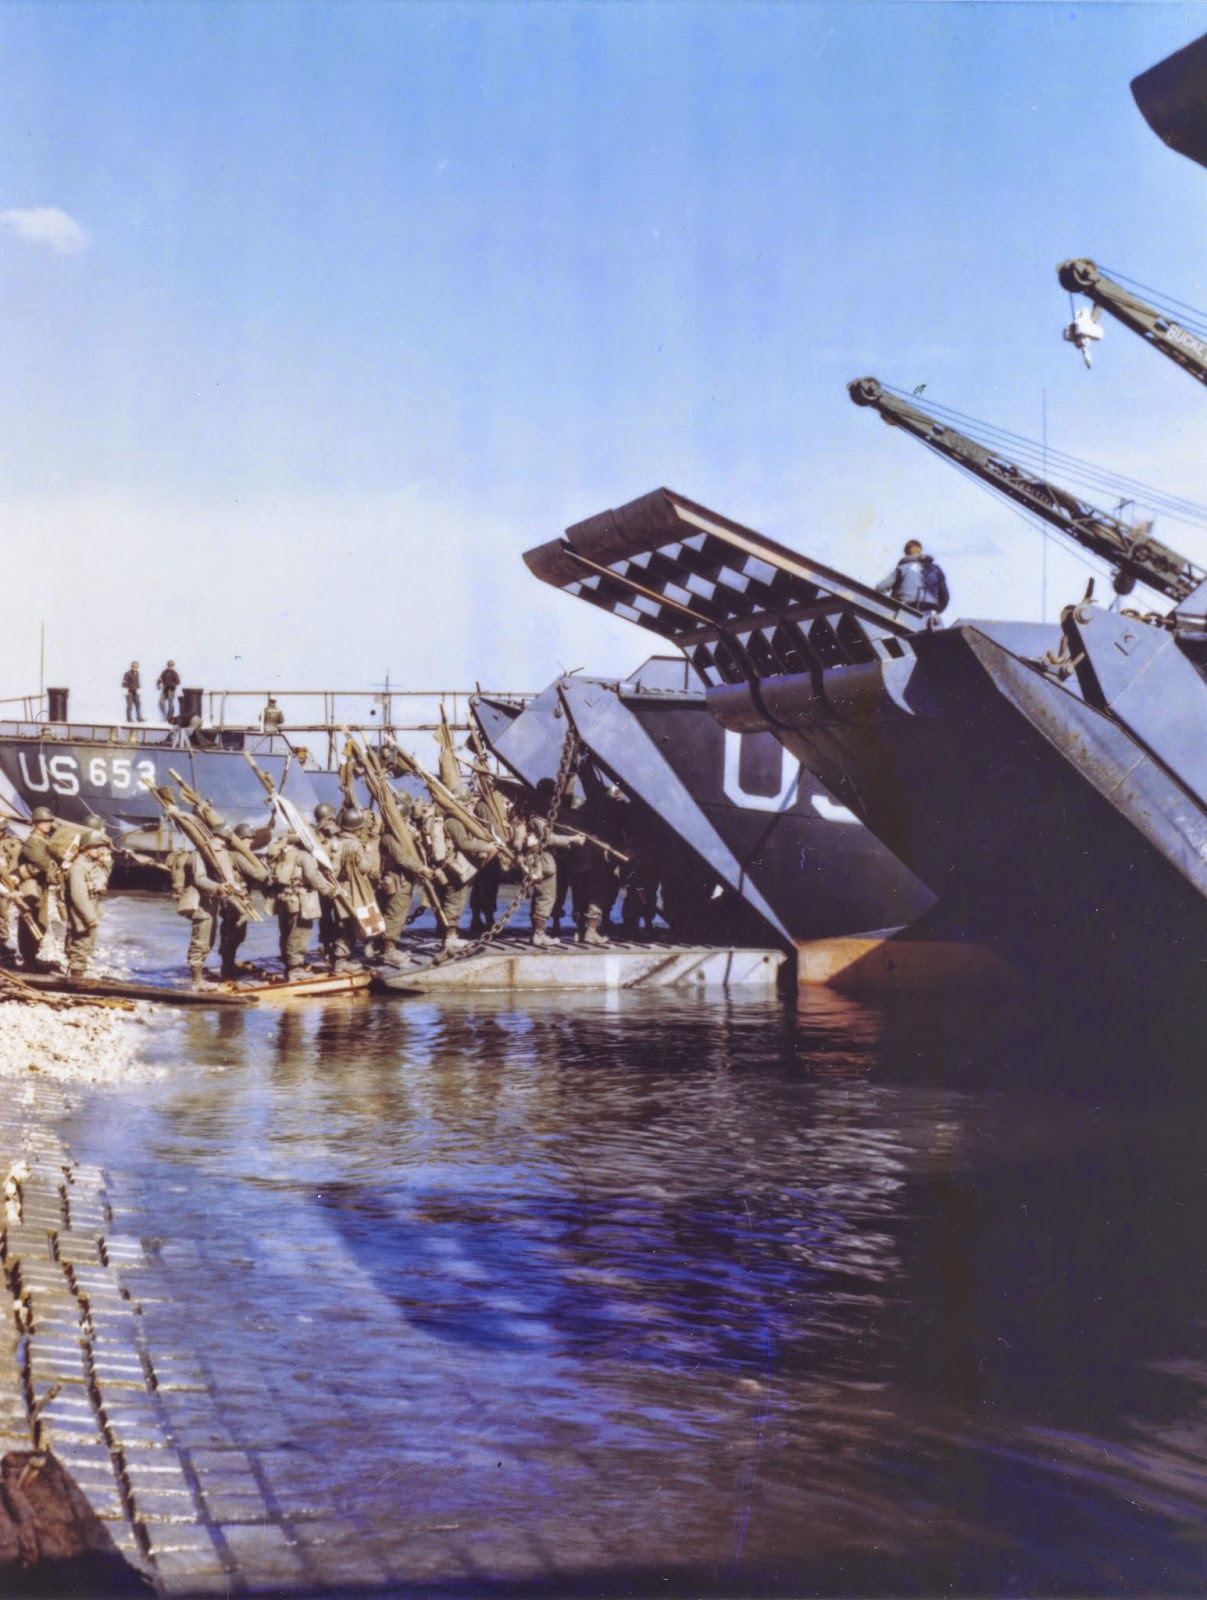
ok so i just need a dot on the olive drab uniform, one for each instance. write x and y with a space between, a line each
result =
397 888
232 922
39 872
87 880
196 898
297 887
484 891
326 830
10 853
349 856
455 854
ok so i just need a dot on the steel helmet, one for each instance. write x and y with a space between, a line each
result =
94 840
42 814
323 812
244 831
351 818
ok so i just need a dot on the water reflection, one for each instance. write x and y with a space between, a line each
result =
862 1297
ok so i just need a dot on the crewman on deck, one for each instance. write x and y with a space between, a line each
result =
132 683
917 580
272 718
87 881
298 887
167 683
10 852
232 919
38 873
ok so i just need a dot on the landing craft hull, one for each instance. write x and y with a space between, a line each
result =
1048 783
729 808
100 781
1041 820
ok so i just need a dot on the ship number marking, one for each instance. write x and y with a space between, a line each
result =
105 774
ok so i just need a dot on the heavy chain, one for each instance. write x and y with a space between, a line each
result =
565 771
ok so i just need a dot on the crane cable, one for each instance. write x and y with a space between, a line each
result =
1075 469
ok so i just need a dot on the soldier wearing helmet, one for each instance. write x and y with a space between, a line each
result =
38 872
87 881
10 850
351 861
249 873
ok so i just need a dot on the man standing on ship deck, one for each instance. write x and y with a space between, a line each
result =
917 580
132 683
167 683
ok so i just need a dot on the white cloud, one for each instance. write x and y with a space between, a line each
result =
49 226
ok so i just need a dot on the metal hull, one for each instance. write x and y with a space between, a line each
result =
100 780
1045 824
722 807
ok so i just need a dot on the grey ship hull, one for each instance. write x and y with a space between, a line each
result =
1048 784
95 775
723 808
1048 829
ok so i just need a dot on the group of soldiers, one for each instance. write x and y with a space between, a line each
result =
354 877
52 864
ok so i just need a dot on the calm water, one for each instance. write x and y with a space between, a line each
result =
720 1295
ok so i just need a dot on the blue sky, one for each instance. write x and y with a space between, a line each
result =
365 300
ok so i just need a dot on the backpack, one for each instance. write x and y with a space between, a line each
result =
934 585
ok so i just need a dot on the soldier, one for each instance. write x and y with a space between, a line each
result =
398 882
298 890
131 683
87 880
10 851
326 827
232 920
542 840
484 891
456 854
272 718
38 872
167 683
350 859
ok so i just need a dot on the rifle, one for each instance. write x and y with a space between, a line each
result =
367 913
486 782
199 836
209 816
448 802
9 891
392 818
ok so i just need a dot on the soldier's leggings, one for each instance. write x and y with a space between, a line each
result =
396 908
202 941
544 892
29 943
296 933
79 948
452 903
232 930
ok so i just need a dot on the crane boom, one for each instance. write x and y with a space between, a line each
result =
1163 333
1130 547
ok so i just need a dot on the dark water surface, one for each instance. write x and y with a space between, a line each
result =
697 1294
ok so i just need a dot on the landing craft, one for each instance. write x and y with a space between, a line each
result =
1033 797
749 842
